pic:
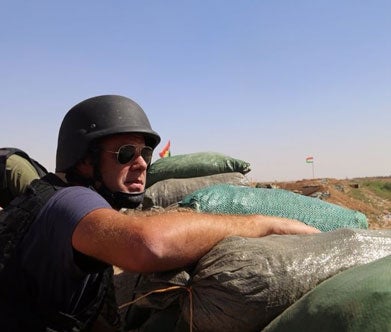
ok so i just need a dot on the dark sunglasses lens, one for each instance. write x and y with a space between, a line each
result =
146 153
126 153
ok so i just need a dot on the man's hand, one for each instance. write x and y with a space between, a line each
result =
278 225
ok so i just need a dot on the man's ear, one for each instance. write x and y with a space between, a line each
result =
85 167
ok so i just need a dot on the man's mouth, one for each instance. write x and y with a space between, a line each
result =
134 185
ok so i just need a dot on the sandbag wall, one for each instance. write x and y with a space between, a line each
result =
172 178
242 284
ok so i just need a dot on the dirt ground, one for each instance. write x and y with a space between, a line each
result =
350 193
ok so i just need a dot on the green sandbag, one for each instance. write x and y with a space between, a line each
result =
233 199
356 300
193 165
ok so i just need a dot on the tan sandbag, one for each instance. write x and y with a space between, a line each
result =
167 192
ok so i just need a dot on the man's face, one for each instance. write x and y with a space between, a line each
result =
129 177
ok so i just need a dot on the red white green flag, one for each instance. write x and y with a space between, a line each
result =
166 151
309 160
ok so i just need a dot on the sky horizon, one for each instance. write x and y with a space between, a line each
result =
271 83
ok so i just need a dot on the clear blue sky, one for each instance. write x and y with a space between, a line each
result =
269 82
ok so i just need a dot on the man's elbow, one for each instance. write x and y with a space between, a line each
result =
152 253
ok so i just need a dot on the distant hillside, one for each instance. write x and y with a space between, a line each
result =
371 196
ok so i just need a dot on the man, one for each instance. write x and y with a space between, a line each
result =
17 171
55 279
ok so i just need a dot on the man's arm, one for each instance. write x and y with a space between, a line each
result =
169 240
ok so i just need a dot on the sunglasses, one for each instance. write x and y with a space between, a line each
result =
127 153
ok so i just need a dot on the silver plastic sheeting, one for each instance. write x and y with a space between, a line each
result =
242 284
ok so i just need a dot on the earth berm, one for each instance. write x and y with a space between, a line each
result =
369 195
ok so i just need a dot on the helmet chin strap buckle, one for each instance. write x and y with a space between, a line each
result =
119 200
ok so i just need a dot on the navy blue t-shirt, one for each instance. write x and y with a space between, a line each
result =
50 279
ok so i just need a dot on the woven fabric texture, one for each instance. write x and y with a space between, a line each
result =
234 199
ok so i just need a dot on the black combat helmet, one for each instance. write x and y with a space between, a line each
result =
99 117
95 118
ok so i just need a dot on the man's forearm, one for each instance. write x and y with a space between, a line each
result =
169 240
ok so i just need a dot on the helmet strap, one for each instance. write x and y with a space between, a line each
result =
119 200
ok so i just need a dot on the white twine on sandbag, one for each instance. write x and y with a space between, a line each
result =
163 290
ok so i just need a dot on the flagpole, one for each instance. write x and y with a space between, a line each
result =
313 173
310 160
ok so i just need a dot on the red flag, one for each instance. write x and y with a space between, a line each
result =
166 151
309 160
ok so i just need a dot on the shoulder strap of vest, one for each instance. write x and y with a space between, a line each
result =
17 217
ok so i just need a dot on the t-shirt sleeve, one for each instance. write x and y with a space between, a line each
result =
50 236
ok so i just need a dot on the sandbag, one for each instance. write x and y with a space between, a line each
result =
233 199
355 300
193 165
171 191
242 284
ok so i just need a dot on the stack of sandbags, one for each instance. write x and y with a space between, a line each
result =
242 284
171 178
234 199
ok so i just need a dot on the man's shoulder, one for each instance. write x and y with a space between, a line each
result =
21 164
77 197
69 191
